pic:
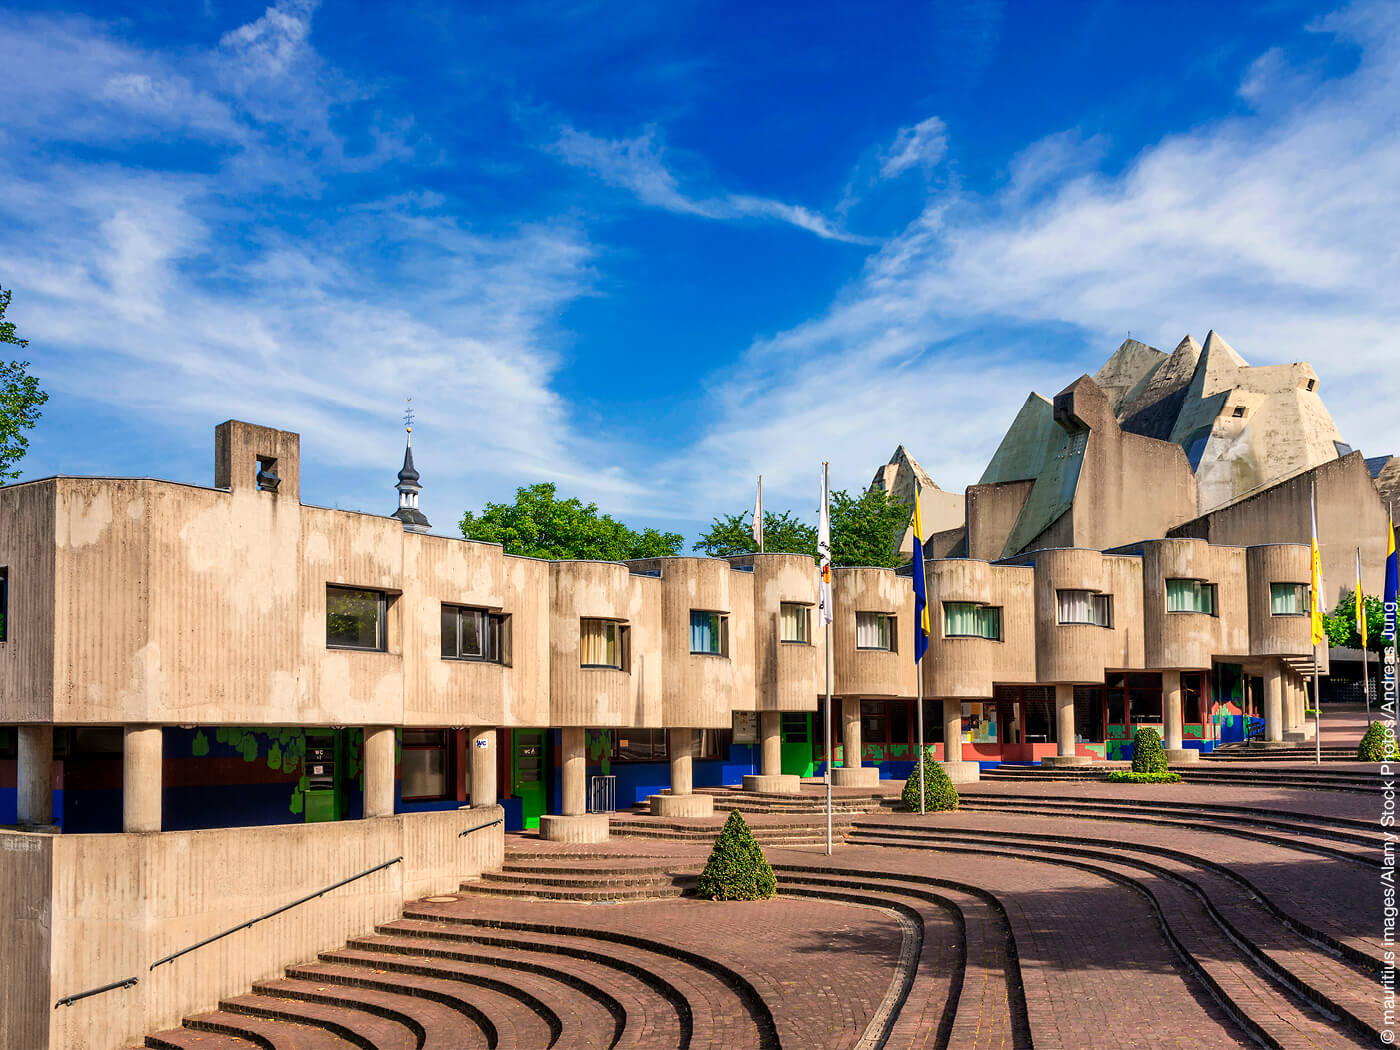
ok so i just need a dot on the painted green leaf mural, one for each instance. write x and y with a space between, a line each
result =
200 746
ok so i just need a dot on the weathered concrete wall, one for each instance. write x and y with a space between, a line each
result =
968 668
26 926
27 555
1271 635
1189 640
1081 653
120 902
870 672
992 512
787 675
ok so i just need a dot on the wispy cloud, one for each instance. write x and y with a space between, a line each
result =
639 166
921 146
1276 228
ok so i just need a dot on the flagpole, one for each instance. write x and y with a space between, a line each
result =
1365 660
919 702
758 515
1317 603
826 720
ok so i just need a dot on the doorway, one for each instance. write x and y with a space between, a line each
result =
797 743
527 774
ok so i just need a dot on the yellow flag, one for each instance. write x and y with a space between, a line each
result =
1319 635
1360 602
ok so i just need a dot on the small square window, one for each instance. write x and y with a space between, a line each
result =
425 765
1191 596
1239 411
1288 599
970 620
473 634
603 644
1312 384
355 618
874 630
267 474
795 622
709 633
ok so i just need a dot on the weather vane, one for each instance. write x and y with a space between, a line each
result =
408 416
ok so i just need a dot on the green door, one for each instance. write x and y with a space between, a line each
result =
527 773
797 743
323 776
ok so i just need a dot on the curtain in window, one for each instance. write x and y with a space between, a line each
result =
961 618
1287 599
1103 609
872 631
989 617
1076 607
598 643
704 632
1188 596
794 622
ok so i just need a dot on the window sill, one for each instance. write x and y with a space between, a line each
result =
599 667
874 649
1291 616
722 656
473 660
1189 612
792 641
355 649
974 637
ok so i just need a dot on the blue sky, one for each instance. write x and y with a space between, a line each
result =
649 251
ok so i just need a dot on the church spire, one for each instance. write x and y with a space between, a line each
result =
414 520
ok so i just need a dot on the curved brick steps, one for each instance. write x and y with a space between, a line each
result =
787 833
591 1014
428 1025
577 887
189 1039
355 1026
497 1019
966 993
1301 753
1324 779
1310 998
1295 831
266 1032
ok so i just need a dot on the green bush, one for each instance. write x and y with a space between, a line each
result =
1378 744
1148 756
1127 776
939 792
737 869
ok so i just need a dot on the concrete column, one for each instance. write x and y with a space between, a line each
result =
379 771
850 732
959 772
141 778
1273 702
573 764
1064 720
770 725
35 775
681 744
1171 709
481 747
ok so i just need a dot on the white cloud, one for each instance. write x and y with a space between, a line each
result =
921 146
1277 229
638 165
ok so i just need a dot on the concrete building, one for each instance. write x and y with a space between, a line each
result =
938 509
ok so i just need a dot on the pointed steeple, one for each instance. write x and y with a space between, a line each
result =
414 520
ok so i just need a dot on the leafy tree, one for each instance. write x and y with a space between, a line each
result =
865 530
737 869
1340 623
541 525
782 534
20 398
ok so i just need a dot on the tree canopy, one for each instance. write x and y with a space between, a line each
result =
541 525
20 399
1340 623
865 530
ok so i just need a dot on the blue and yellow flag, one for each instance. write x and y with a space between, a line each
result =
1392 577
1360 603
921 628
1319 633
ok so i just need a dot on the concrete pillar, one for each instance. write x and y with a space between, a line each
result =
1171 710
771 778
681 744
1064 720
481 745
573 764
1273 702
959 772
141 778
770 724
379 771
850 732
35 775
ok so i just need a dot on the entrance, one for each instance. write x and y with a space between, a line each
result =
323 796
527 773
797 743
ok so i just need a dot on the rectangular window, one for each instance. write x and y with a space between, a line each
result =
1087 607
1288 599
874 725
471 634
355 618
1145 698
970 620
1191 596
424 765
874 630
793 622
709 633
602 643
933 722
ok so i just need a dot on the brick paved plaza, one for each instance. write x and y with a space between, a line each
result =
1044 913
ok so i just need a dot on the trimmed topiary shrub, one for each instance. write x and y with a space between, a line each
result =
737 869
939 792
1378 744
1127 776
1148 755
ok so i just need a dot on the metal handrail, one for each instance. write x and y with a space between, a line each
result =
69 1000
276 911
481 827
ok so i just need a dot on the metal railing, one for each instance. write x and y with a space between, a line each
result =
275 912
480 827
69 1000
602 794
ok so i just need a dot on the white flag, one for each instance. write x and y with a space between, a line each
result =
824 616
758 515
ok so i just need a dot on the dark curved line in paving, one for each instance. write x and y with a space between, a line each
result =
285 1015
664 988
598 994
912 885
753 1003
194 1024
536 1005
342 1002
1176 804
1365 961
1287 980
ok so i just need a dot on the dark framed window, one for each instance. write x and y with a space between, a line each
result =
795 623
970 620
1086 607
425 765
933 722
794 727
1145 698
1191 596
1194 686
472 634
709 633
1289 599
875 630
650 745
603 644
356 619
